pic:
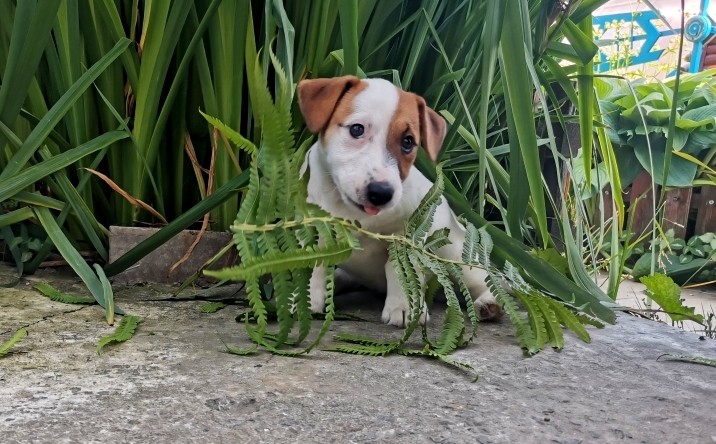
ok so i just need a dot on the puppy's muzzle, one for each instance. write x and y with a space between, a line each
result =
379 193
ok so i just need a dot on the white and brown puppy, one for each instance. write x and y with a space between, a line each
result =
361 168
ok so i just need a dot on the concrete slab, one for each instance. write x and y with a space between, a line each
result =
173 383
156 266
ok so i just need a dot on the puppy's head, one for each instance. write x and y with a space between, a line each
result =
370 131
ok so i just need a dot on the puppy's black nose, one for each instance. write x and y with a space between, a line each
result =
379 193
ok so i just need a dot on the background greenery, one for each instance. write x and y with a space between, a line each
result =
100 116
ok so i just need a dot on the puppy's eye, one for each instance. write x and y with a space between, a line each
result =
356 130
407 144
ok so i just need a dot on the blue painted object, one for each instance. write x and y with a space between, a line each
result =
698 29
641 20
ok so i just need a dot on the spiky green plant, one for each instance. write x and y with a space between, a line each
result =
283 236
10 343
124 332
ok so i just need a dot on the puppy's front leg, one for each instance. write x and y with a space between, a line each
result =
396 311
317 289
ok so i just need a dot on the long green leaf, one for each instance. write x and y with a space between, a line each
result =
73 258
13 184
519 88
48 122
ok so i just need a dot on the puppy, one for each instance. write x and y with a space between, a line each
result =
361 168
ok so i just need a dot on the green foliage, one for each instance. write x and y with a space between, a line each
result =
7 345
124 332
667 294
212 307
637 118
685 262
186 56
306 237
693 359
66 298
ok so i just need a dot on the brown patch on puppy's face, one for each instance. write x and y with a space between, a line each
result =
413 124
404 132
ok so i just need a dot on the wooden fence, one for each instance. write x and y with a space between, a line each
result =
688 211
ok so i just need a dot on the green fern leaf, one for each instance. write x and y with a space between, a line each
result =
536 320
330 312
452 332
552 325
471 245
569 319
363 350
525 335
10 343
588 320
457 276
124 332
485 249
693 359
302 306
363 340
212 307
307 258
258 308
454 323
410 283
420 222
437 239
66 298
240 141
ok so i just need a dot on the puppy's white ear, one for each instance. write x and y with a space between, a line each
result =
318 98
432 129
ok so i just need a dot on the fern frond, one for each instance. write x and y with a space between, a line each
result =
212 307
407 274
363 350
485 249
66 298
283 288
692 359
454 322
240 141
363 340
258 308
300 302
10 343
569 320
588 320
419 223
525 335
445 359
437 239
273 263
536 320
459 279
452 332
471 245
330 313
551 321
249 201
240 351
124 332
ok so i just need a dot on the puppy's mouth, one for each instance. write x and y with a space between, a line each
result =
369 209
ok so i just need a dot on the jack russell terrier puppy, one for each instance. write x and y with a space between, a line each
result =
361 168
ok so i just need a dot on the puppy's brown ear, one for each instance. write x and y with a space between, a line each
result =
432 129
318 98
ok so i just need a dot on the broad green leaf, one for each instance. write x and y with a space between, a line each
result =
667 294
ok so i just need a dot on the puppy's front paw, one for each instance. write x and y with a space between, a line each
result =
398 314
487 307
318 300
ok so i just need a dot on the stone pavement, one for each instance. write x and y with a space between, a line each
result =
173 383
